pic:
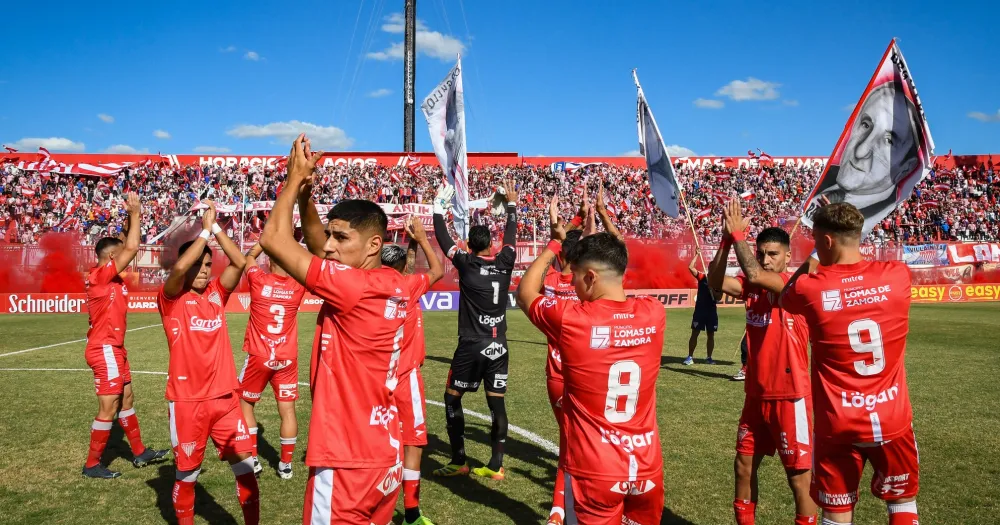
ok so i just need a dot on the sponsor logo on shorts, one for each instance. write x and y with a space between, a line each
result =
460 384
893 485
277 364
392 480
188 448
742 433
251 395
832 302
494 351
633 488
500 381
491 321
838 499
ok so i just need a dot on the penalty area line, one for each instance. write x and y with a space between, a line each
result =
545 444
70 342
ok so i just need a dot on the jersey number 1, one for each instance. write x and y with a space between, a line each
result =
496 292
617 389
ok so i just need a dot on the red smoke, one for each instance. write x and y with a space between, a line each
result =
62 264
658 265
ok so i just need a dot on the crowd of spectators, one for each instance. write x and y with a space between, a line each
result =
948 205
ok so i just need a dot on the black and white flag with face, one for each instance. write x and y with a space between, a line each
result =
444 110
662 180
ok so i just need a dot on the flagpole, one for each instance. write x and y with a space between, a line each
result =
687 210
243 209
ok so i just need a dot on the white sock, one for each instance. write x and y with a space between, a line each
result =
828 521
910 506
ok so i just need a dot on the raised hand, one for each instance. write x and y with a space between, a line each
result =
132 204
600 199
734 220
302 160
556 226
415 229
510 189
554 209
208 216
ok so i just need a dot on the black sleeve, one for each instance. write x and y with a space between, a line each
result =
443 237
510 231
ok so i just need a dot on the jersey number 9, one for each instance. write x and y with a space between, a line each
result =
873 346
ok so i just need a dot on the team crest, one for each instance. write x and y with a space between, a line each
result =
215 298
188 448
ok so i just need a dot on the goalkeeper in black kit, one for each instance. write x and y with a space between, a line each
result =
481 356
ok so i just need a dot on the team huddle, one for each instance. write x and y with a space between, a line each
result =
368 418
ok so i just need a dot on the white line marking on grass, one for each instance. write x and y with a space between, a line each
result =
70 342
526 434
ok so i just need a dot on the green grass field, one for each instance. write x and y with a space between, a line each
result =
45 416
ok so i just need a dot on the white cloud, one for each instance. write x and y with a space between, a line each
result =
329 138
707 103
632 153
160 134
790 102
380 93
125 148
51 144
106 118
850 107
210 149
749 89
252 55
431 43
229 49
983 117
675 151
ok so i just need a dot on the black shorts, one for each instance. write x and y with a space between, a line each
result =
479 361
705 323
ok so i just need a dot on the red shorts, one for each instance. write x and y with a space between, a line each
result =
111 370
777 425
614 502
259 371
193 422
363 496
838 469
409 396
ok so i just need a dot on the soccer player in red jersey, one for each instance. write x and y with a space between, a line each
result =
409 393
610 347
107 305
858 315
354 456
777 405
272 346
201 380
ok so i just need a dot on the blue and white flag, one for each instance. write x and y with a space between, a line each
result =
662 181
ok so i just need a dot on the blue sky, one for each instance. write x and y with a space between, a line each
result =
541 78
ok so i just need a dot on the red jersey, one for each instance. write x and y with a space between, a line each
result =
414 349
557 286
201 357
858 315
107 304
611 358
778 362
273 329
354 365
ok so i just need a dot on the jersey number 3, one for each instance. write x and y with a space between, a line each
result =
279 319
872 344
623 381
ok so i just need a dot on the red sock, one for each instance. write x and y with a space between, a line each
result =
411 488
745 510
253 439
287 449
130 424
903 513
559 494
805 520
184 502
247 491
100 431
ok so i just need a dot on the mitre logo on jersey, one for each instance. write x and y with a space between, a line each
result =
494 351
215 298
832 301
266 290
600 337
633 488
391 480
245 301
205 325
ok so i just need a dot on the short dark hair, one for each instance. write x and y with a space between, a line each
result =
184 247
774 234
394 256
572 237
840 218
602 248
364 216
106 243
479 238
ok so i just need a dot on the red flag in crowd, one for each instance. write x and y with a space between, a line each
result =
9 149
941 187
703 213
722 176
748 195
394 177
43 154
751 154
764 156
412 161
932 204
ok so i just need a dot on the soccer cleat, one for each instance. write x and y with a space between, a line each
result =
555 519
486 472
257 468
741 375
99 472
284 470
452 469
709 361
689 361
422 520
148 456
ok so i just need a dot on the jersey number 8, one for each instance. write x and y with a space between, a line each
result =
873 346
618 389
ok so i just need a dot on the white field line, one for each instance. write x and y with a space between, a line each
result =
70 342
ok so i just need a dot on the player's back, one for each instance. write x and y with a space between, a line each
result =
273 328
107 305
858 317
484 283
778 357
611 359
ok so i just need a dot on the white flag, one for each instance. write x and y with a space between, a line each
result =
444 110
662 182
